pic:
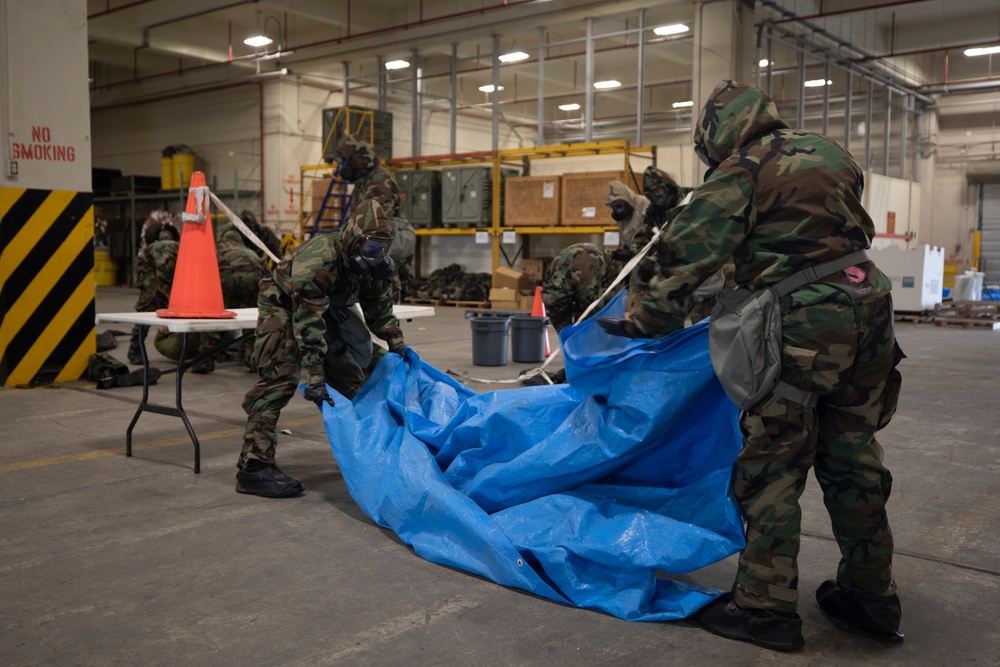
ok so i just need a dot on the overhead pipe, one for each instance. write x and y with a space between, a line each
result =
855 10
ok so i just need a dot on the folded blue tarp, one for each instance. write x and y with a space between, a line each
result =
579 493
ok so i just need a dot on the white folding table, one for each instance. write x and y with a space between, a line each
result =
246 318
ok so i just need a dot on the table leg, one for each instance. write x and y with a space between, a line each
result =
146 406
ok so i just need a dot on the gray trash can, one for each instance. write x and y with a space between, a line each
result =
527 336
489 340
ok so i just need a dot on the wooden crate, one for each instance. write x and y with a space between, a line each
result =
583 197
532 200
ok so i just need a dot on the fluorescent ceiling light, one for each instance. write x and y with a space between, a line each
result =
514 57
816 83
672 29
257 40
488 88
982 51
682 105
569 107
603 85
397 64
764 62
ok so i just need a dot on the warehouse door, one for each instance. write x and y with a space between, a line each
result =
989 223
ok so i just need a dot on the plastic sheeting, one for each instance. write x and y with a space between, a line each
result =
579 493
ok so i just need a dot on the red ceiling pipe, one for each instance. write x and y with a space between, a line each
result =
917 52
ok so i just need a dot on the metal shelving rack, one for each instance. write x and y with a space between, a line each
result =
521 158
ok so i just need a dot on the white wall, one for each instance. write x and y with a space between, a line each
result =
44 114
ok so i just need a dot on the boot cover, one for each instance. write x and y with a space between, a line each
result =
763 627
266 479
876 616
134 354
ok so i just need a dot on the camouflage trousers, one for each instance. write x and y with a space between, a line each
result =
169 344
276 357
847 354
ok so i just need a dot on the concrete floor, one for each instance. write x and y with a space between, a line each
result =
138 561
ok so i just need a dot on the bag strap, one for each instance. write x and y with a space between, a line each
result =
813 273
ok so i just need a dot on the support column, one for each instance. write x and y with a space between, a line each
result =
724 48
588 96
540 133
495 132
46 198
415 104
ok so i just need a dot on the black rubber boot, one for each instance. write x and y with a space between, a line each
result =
206 365
875 616
266 479
134 354
134 378
763 627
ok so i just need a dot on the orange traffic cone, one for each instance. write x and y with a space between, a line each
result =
197 289
538 310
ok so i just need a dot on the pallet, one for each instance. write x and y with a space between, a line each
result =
449 304
918 317
989 310
969 322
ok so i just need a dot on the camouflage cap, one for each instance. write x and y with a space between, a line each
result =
733 114
618 191
653 178
357 152
368 220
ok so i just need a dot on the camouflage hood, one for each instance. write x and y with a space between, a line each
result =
369 220
653 178
734 114
357 152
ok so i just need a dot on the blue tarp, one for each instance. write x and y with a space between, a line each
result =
579 493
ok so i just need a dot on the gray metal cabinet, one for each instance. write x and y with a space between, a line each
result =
422 201
467 196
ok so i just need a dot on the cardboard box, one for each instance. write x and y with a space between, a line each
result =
503 294
532 200
526 301
583 197
512 278
535 267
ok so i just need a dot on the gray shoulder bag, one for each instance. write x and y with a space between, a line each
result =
744 336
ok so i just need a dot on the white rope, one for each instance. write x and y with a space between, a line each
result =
240 225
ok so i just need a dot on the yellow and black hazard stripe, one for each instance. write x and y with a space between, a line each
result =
46 285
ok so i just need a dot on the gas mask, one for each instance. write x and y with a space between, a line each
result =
661 199
372 259
621 211
346 171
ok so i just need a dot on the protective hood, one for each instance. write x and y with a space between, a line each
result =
653 178
368 221
628 229
734 114
358 153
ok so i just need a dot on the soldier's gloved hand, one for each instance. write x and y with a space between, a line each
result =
646 269
397 347
620 327
318 394
621 255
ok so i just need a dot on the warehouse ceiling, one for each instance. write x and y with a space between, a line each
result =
141 49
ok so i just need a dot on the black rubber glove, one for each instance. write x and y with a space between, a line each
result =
620 327
317 394
646 269
398 348
621 255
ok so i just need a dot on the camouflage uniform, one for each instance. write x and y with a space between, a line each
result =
663 194
298 325
373 180
577 278
227 231
240 272
778 200
404 247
